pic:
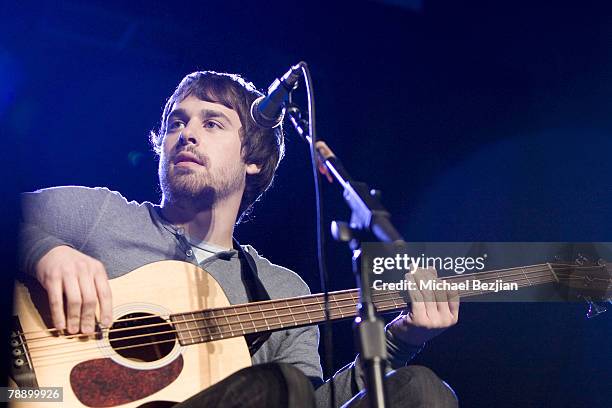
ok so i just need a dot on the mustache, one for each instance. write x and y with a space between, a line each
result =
203 159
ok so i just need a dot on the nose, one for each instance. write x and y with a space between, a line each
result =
187 136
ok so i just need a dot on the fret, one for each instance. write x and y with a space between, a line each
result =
231 320
395 300
191 337
552 271
206 318
320 314
305 310
287 317
239 320
264 317
200 323
248 309
179 328
189 330
339 306
277 316
526 277
294 320
228 324
218 324
316 307
257 315
271 313
187 319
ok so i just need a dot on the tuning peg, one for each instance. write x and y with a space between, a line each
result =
581 259
594 309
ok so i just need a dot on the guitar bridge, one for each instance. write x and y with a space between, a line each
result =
21 372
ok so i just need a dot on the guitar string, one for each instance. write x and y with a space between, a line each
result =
82 356
481 274
252 304
156 316
350 292
232 315
267 326
222 334
232 333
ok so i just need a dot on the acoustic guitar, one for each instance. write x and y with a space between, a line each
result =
172 338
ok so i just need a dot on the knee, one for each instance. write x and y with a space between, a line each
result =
286 368
294 377
426 386
277 372
297 387
417 373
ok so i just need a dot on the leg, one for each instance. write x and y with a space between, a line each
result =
414 387
264 385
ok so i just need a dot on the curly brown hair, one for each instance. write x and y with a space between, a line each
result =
261 146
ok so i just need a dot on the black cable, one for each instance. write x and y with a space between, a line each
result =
324 277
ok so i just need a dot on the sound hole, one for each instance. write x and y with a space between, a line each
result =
142 337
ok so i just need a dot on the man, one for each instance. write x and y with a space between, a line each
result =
214 163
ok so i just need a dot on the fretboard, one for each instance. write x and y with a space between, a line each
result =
271 315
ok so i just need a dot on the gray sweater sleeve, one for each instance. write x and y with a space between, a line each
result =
58 216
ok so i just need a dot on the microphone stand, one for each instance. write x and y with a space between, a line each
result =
367 215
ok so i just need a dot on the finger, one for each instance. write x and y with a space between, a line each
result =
416 298
403 319
442 301
407 316
453 304
73 301
104 297
427 277
89 301
56 303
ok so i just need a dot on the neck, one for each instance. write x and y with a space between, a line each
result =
214 224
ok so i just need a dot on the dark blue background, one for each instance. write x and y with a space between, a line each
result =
480 121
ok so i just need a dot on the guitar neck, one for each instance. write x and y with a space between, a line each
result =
271 315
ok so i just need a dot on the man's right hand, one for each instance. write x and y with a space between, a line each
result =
82 280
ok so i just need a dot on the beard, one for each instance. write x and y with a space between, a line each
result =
199 187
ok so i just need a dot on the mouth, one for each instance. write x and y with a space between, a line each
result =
187 159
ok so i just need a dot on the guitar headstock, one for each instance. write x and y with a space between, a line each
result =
586 280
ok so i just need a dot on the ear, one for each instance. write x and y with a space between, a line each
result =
252 169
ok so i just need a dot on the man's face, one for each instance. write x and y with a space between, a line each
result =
201 161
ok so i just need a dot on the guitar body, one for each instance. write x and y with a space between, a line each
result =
103 372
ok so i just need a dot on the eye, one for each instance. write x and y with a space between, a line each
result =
175 124
211 124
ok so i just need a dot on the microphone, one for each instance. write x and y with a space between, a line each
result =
268 110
